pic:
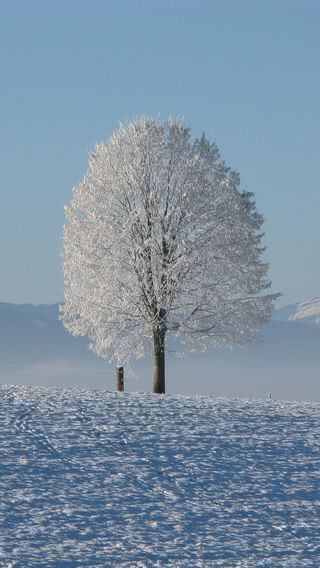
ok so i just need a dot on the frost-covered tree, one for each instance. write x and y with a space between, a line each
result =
158 241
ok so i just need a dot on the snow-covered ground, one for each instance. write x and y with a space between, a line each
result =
101 479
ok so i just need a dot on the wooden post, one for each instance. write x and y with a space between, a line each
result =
120 382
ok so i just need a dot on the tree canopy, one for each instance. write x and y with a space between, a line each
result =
159 240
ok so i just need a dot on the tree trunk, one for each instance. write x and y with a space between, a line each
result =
120 382
159 335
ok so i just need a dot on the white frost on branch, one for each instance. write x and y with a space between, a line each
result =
158 233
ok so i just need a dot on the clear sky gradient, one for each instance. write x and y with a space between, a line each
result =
246 72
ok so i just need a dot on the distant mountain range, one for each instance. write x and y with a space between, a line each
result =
36 349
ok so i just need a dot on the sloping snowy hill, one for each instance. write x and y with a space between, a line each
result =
98 479
35 349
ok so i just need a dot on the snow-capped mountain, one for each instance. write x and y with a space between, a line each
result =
308 312
305 312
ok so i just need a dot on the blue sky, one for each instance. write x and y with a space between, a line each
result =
246 72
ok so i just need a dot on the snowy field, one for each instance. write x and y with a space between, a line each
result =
100 479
